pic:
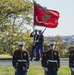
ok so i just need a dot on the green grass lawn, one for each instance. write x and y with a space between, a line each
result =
64 70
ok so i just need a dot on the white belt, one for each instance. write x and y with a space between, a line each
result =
52 61
22 60
36 41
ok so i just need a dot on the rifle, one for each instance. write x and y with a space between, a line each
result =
43 30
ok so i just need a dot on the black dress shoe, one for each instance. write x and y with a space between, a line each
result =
36 60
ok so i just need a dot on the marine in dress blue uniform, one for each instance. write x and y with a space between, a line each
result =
35 43
40 48
20 60
51 60
71 62
44 57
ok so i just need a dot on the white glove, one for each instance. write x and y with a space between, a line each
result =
28 70
72 69
45 68
15 69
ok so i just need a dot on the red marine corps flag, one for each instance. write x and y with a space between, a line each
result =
45 17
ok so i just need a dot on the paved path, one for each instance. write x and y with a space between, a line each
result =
63 62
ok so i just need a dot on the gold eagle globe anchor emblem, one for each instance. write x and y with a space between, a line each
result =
47 16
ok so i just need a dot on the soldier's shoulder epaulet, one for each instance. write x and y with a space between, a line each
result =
46 51
25 51
16 50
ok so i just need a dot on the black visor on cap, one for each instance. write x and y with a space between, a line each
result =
51 44
21 45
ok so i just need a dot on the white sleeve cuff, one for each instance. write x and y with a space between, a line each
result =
45 68
72 69
15 69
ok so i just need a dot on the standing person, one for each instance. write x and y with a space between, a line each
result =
20 60
44 60
71 62
35 42
40 45
52 60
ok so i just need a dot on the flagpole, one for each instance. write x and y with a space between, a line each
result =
33 18
43 30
